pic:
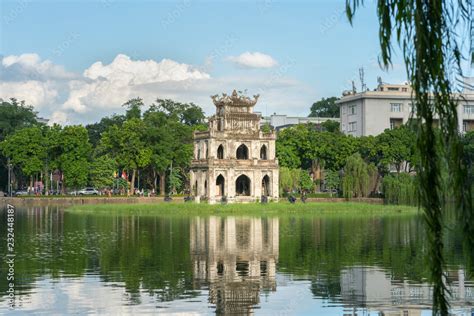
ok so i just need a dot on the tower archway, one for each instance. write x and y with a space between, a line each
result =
220 186
266 186
242 185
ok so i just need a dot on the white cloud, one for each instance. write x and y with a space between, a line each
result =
59 117
101 89
253 60
38 93
31 67
109 86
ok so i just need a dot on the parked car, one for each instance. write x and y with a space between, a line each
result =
21 193
88 191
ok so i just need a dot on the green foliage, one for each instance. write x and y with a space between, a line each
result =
187 113
75 154
331 126
399 189
175 181
306 183
126 144
133 108
266 128
325 108
26 150
289 180
397 147
332 180
468 143
355 182
14 116
95 130
102 172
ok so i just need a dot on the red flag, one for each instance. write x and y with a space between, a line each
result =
124 175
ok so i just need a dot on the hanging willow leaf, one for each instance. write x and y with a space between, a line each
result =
430 33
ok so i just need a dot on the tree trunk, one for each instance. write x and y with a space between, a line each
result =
155 179
132 183
46 182
162 183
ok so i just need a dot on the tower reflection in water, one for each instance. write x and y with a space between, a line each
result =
236 257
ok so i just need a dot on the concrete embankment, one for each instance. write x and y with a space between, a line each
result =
44 201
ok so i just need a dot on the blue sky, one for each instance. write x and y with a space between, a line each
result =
292 53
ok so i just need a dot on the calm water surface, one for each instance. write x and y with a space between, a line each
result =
70 263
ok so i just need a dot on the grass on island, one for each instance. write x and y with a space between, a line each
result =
310 208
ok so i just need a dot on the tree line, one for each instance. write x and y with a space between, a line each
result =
382 165
150 148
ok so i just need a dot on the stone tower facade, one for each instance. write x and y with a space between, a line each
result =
234 158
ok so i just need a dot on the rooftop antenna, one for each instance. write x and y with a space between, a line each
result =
361 77
354 90
379 80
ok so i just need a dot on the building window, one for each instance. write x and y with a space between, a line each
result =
220 152
469 109
396 107
393 89
404 89
394 123
242 152
467 126
352 126
263 153
352 109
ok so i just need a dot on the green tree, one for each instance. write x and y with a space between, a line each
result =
26 149
305 182
102 171
95 130
396 147
75 155
134 110
325 108
332 180
331 126
429 33
355 181
170 142
15 115
126 144
187 113
289 180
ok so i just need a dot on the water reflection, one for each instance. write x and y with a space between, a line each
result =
376 290
237 257
295 264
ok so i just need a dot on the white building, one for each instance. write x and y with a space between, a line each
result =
234 158
280 121
371 112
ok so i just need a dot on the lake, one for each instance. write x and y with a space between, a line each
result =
305 264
